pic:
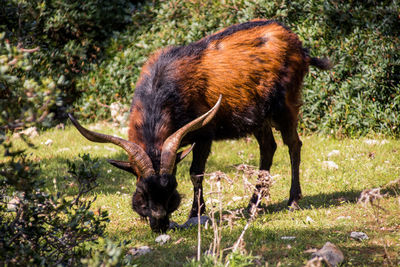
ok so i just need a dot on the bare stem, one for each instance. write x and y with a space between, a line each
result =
198 228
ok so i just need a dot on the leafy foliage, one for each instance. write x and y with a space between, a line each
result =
91 53
31 97
69 35
38 227
361 93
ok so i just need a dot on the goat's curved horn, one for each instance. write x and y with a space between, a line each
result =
135 152
171 145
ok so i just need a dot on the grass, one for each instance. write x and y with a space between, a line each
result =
329 208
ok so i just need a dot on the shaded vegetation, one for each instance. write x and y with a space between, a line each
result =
361 94
41 227
90 55
46 46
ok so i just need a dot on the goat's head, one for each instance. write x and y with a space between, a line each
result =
156 196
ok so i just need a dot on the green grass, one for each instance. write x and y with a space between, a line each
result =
330 199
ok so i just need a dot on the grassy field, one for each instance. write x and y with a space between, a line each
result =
330 211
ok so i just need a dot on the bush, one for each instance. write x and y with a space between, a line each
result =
24 99
38 227
91 53
69 35
361 94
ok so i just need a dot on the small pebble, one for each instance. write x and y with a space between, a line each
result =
162 239
49 142
328 253
333 153
309 219
359 236
330 165
139 251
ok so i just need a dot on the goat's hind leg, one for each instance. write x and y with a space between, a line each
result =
288 129
267 146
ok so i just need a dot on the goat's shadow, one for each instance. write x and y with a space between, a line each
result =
322 200
317 201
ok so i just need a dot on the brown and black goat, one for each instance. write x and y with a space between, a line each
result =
241 80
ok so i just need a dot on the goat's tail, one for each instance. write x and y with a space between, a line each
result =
321 63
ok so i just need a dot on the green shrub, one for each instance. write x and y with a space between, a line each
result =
92 52
24 98
69 35
43 228
360 94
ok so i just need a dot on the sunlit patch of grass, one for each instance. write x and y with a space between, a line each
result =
330 211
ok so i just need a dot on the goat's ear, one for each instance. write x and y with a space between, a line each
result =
181 155
123 165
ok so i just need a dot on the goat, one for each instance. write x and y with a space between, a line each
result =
257 67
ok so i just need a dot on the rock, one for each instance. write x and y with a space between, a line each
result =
49 142
309 220
328 253
30 132
330 165
162 239
375 142
333 153
288 237
139 251
236 198
359 236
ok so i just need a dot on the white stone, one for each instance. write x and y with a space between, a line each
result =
375 142
309 219
330 165
49 142
30 132
236 198
328 253
333 153
139 251
359 235
162 239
